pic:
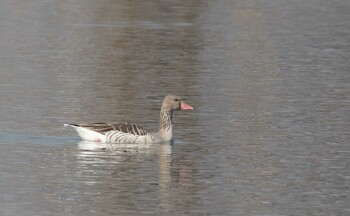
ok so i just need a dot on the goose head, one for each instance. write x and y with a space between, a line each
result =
174 103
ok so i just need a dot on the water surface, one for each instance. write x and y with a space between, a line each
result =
269 81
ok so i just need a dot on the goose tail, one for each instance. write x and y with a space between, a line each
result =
86 134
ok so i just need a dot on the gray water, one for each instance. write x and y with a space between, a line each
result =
269 81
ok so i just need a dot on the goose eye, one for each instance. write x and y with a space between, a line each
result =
176 100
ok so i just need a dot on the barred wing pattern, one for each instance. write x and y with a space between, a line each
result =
104 128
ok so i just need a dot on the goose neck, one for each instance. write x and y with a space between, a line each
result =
166 120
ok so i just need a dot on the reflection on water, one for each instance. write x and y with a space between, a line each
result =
117 162
269 80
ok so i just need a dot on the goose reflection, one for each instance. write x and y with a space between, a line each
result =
125 169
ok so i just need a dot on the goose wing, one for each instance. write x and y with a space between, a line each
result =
125 127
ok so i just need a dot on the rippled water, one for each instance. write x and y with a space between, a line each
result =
269 81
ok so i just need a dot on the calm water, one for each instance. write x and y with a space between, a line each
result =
269 81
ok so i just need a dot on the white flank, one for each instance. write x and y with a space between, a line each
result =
88 135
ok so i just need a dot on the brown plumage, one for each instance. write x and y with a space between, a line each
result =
125 127
134 133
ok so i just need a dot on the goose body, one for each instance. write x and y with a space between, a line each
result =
129 133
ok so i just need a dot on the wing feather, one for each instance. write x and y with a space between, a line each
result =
125 127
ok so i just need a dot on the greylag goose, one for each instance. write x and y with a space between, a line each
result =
126 133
